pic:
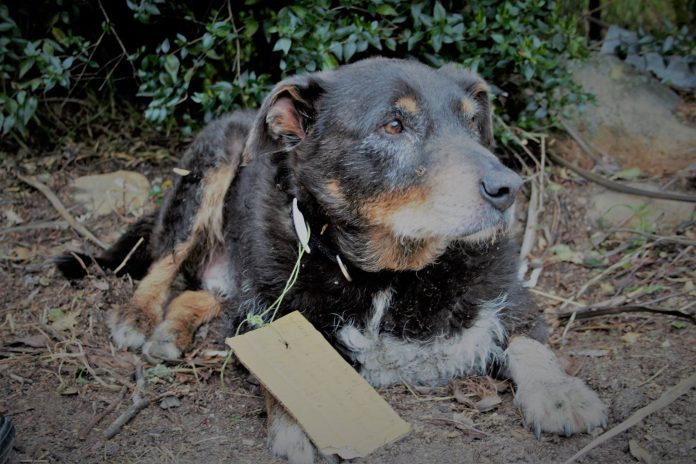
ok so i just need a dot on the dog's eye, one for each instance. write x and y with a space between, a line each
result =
394 127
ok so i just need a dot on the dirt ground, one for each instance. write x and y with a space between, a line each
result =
58 370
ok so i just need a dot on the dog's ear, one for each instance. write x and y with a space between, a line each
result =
477 89
285 116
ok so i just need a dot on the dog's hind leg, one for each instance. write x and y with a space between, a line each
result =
551 400
133 323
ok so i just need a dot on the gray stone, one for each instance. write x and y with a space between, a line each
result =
633 118
679 73
615 37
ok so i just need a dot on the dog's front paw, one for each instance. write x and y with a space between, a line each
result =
286 439
125 332
162 345
565 405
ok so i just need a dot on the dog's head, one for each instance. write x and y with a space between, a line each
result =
396 153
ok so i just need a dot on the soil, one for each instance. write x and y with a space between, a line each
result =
58 370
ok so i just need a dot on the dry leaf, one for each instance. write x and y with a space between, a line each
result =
101 285
34 341
630 337
20 254
63 321
181 172
69 391
463 421
12 217
639 452
488 403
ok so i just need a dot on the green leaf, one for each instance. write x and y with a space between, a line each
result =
171 65
26 66
283 45
439 12
630 173
386 10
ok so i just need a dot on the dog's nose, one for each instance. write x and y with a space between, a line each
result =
499 188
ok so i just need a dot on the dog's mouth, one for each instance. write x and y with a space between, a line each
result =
492 231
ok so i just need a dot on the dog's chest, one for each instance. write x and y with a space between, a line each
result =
385 359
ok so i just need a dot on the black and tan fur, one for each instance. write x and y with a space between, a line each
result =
391 166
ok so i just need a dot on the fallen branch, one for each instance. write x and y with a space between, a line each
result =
94 422
619 187
79 228
663 401
139 403
592 311
659 238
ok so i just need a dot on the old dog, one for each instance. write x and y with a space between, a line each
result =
410 273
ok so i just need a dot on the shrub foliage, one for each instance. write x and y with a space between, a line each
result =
187 62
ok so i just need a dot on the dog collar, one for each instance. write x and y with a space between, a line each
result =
309 241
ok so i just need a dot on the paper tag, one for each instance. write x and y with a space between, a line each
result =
340 412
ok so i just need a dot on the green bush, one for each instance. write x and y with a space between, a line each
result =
190 64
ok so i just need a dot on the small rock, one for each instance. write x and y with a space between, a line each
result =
597 431
123 191
248 442
170 402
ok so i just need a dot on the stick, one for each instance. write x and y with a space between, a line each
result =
665 400
659 238
617 186
139 403
126 417
93 423
591 311
128 256
34 226
530 230
79 228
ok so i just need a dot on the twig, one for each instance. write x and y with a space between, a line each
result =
581 142
61 210
139 403
659 238
80 262
619 187
35 225
663 401
532 218
128 256
124 418
590 311
654 376
458 424
551 296
118 39
94 422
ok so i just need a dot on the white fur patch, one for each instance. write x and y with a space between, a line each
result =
124 333
386 360
161 345
218 278
551 400
286 439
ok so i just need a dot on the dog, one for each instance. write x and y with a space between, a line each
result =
408 270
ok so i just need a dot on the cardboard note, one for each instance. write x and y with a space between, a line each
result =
339 411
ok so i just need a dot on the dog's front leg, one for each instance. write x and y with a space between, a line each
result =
287 440
551 400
